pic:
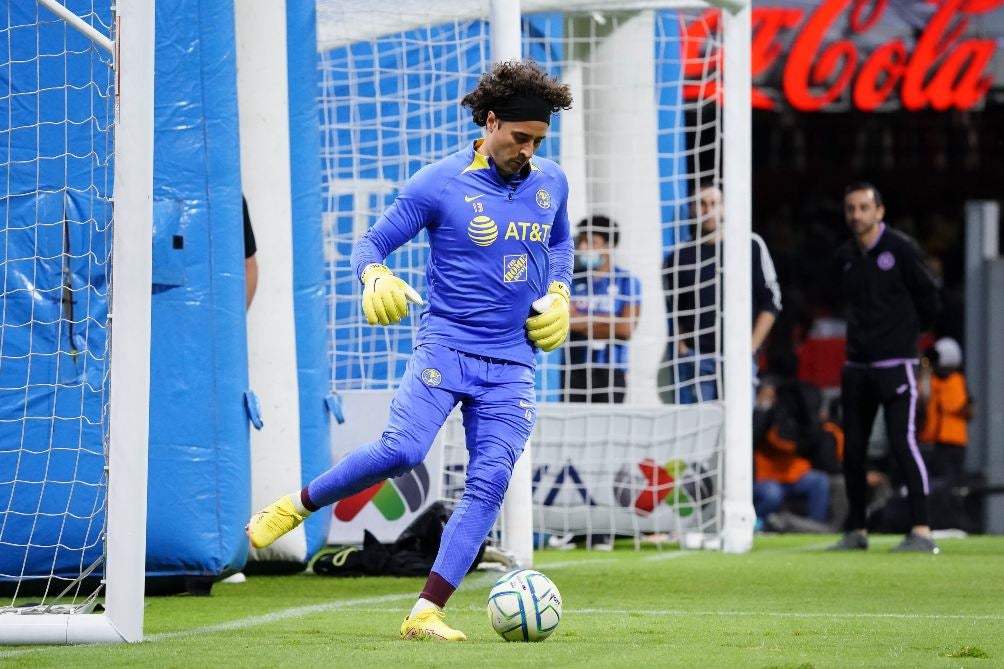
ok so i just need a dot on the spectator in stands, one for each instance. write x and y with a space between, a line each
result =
691 276
605 306
788 437
949 409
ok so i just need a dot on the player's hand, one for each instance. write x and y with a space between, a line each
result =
385 296
549 328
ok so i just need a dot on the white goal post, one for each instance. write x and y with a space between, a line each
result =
737 503
124 430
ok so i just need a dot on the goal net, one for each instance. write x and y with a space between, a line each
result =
625 442
59 417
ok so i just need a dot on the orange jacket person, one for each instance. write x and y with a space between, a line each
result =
949 409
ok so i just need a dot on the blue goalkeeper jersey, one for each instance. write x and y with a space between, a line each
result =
495 245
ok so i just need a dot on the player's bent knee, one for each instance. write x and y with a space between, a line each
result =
489 486
402 456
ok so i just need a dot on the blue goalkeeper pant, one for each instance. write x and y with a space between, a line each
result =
497 402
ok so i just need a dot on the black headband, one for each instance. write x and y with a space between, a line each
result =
523 108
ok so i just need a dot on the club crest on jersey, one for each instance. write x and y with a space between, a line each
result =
886 261
543 199
431 377
514 268
482 230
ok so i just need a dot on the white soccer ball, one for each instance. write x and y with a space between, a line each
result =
524 605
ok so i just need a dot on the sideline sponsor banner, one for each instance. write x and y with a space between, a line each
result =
613 468
599 468
388 507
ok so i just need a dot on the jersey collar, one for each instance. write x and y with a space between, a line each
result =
877 238
479 161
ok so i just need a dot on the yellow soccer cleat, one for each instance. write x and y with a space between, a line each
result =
272 522
430 624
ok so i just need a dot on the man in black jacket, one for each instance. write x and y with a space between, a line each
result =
690 276
890 297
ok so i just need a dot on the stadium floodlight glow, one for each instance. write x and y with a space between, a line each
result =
646 126
83 234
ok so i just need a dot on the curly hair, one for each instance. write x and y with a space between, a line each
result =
514 77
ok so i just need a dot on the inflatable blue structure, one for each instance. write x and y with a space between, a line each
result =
56 268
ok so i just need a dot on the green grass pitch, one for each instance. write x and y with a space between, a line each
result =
786 604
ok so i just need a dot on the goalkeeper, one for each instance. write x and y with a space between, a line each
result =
498 272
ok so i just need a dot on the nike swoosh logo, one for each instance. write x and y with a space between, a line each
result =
469 198
524 404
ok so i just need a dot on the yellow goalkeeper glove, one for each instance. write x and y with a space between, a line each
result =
548 329
385 296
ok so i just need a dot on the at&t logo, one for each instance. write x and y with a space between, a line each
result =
482 230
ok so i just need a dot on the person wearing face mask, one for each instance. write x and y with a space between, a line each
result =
605 305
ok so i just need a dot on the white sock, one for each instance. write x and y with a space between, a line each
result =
298 505
421 605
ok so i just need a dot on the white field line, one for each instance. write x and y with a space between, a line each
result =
740 614
475 581
275 616
252 621
482 580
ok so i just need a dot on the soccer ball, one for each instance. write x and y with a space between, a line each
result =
524 605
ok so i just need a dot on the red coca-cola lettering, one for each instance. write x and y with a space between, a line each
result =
879 75
861 22
693 39
959 78
766 47
805 68
976 6
943 70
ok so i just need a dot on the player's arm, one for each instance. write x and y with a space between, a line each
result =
561 252
386 296
250 261
762 326
549 328
766 293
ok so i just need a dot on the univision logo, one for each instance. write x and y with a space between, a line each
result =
392 498
675 484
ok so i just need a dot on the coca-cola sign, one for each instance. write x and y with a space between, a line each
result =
938 65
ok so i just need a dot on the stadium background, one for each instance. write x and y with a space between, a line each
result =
927 162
